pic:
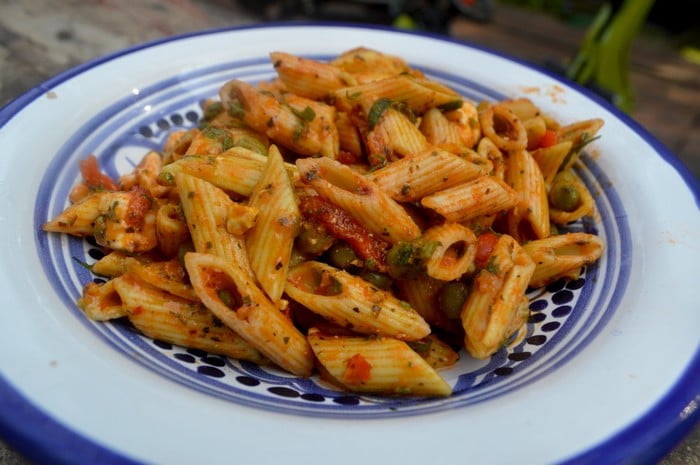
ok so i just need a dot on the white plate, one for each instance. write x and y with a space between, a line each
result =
607 371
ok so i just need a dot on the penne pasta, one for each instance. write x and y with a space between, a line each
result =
164 317
529 219
494 308
269 242
349 218
207 210
500 124
101 302
77 219
287 126
485 195
309 78
379 365
236 171
171 229
230 294
352 302
359 197
416 93
394 136
561 256
454 253
412 178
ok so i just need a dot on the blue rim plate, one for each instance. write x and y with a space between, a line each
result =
608 368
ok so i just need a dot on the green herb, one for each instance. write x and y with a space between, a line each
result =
377 110
451 106
235 109
307 114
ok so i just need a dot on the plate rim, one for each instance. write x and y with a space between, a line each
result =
46 440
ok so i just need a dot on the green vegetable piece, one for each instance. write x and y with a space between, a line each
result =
313 239
564 194
251 143
342 256
377 110
451 106
451 298
212 111
421 346
378 280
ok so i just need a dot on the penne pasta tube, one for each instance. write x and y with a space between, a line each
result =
349 137
524 108
500 124
309 78
168 276
359 197
379 365
485 195
269 242
230 293
415 93
487 150
454 253
164 317
438 130
580 133
529 219
436 352
394 136
465 120
77 219
494 310
371 64
101 302
206 209
559 256
111 265
171 229
352 302
412 178
236 171
177 143
549 159
284 125
145 175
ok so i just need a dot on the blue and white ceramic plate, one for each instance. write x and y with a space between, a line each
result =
608 368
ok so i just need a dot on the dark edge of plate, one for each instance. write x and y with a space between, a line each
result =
44 440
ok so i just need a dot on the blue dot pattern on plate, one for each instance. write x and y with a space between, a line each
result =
565 317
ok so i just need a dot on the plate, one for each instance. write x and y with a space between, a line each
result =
608 368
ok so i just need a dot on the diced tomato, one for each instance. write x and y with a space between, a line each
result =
358 370
485 244
93 177
342 226
548 139
139 204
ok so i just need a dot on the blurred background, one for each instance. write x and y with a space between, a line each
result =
642 55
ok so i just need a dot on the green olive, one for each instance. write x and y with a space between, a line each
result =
342 256
451 298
